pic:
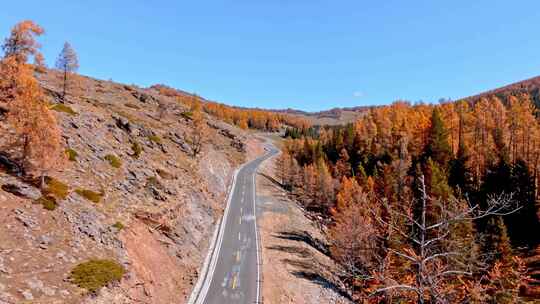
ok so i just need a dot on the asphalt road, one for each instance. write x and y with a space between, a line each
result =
233 274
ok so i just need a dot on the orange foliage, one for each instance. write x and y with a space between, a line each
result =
35 125
242 117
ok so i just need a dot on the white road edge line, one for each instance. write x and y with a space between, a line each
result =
257 299
209 266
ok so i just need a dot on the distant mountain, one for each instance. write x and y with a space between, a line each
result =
335 116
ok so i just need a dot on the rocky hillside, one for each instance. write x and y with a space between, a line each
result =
130 192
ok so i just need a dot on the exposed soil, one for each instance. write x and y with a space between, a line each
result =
296 268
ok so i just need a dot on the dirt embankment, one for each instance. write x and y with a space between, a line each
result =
296 266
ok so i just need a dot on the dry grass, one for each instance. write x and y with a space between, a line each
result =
90 195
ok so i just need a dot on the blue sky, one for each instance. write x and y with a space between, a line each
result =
309 55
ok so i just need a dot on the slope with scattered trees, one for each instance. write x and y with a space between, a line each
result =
109 192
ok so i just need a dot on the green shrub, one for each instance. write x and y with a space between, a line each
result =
71 154
95 274
48 202
187 114
113 160
60 107
90 195
137 149
118 225
152 181
55 188
154 138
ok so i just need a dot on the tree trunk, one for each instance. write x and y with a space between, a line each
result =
42 182
65 86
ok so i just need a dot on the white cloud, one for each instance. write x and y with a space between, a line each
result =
358 94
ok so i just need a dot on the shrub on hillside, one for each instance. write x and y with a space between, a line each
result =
60 107
113 160
137 149
55 188
154 138
90 195
95 274
118 225
48 202
71 154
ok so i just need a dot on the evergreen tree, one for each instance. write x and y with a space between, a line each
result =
495 242
438 148
522 224
460 176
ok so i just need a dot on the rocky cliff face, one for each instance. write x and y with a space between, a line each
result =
131 192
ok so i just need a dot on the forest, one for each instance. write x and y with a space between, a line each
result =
425 203
244 118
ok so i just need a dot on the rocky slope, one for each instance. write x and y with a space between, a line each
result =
132 192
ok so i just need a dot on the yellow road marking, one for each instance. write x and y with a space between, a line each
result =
235 281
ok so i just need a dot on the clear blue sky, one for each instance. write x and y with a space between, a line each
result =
305 54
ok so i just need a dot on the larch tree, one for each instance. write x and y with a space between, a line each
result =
22 43
35 126
18 48
68 63
199 131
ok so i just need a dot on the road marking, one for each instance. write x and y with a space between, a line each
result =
241 210
239 236
235 281
238 256
199 294
240 220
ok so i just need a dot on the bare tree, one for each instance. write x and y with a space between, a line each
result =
199 133
67 63
433 263
162 109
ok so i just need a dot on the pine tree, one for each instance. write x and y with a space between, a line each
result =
521 223
460 176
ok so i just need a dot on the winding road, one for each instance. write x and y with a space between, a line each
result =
232 274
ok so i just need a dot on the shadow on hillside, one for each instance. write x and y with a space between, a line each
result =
307 238
298 251
271 180
306 266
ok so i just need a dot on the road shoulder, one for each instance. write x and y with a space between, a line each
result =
295 267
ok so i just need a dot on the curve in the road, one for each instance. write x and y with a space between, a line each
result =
232 272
